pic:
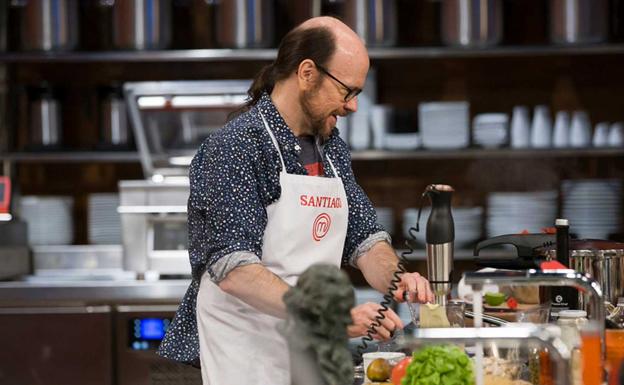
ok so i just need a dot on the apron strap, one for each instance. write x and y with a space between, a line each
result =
274 140
332 166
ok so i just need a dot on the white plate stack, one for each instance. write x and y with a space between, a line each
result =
444 125
514 212
467 221
50 220
104 220
490 130
385 218
592 206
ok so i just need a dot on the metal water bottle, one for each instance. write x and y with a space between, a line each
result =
440 236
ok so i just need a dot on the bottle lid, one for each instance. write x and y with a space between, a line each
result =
572 314
562 222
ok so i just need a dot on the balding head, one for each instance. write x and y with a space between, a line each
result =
347 42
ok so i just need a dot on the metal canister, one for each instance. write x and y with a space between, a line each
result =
578 21
46 25
244 23
603 261
472 23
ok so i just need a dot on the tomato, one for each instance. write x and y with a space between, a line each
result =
512 303
398 372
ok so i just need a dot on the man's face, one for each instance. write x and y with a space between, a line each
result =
325 101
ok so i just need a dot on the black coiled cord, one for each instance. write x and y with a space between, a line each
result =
388 298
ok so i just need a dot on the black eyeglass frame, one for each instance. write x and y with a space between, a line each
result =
351 92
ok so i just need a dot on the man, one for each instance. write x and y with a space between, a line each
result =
271 194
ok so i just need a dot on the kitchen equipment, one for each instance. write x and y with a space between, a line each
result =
444 125
472 23
245 23
138 331
113 119
593 206
141 24
170 120
530 210
541 128
490 130
440 236
375 21
104 223
602 260
50 219
5 197
520 129
46 25
45 127
14 257
561 134
578 21
73 259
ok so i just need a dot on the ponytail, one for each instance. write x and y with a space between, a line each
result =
263 82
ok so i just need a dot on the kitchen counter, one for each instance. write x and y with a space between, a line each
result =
25 293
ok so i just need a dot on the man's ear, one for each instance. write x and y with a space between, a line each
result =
307 75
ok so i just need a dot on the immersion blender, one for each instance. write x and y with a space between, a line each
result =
439 237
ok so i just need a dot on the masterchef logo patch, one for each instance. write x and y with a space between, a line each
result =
321 226
320 201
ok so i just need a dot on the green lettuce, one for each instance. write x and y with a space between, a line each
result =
439 365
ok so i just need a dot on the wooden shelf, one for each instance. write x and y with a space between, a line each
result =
473 153
72 157
224 55
370 155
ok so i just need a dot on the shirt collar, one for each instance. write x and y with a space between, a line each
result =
278 125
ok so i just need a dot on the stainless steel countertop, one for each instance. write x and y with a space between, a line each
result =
24 293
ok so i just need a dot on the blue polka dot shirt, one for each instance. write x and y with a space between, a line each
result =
234 176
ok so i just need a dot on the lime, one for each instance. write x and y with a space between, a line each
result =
494 299
378 370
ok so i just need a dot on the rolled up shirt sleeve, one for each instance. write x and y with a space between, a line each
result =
226 215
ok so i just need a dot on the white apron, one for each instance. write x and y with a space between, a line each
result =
305 226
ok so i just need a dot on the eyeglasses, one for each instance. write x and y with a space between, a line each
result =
351 92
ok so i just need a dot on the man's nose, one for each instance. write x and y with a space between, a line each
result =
351 105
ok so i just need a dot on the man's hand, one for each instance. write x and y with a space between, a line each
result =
364 315
416 286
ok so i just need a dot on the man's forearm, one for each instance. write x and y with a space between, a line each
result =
378 266
257 286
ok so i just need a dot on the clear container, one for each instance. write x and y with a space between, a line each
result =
571 323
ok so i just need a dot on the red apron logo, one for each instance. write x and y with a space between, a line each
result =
321 226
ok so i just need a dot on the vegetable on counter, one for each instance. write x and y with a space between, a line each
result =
439 365
399 370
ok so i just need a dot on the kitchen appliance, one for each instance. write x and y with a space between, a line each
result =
472 23
170 120
138 332
578 21
113 119
602 260
45 127
375 21
5 197
141 24
14 256
46 25
439 239
245 23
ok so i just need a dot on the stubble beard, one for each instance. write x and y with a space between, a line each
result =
317 123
